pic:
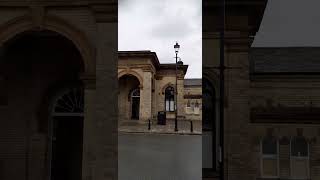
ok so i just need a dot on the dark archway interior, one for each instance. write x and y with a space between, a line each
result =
129 107
209 127
209 108
44 60
33 66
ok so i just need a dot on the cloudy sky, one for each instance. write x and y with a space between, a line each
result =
157 24
290 23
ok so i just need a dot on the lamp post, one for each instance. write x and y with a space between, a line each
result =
176 49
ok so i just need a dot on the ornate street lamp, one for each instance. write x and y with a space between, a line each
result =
176 49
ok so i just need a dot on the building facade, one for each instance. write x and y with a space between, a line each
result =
147 87
58 73
270 101
193 99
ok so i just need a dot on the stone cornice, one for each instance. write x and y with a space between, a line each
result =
26 3
299 115
147 69
192 96
104 11
304 78
252 9
235 41
143 67
140 54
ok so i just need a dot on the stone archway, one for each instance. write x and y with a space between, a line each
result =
210 124
132 73
135 103
66 134
25 23
129 98
32 62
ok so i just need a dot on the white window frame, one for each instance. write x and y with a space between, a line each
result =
170 105
262 156
299 157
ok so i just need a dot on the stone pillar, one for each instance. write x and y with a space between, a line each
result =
100 160
181 106
146 97
88 128
237 84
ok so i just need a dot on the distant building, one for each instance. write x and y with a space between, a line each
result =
272 112
193 99
146 87
57 59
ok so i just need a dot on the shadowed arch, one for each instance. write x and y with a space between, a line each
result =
133 73
21 24
213 78
210 115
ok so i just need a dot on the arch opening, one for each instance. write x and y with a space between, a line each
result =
33 62
129 98
209 127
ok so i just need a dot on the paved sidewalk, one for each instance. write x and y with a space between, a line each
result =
184 127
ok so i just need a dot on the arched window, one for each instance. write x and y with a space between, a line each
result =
188 108
299 157
192 106
135 93
196 108
169 99
135 104
269 157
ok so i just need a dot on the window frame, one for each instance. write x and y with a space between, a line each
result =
196 109
170 100
268 156
299 158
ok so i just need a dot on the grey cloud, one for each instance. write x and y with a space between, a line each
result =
177 29
290 23
156 25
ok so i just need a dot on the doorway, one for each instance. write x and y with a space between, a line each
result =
209 130
66 134
66 162
135 104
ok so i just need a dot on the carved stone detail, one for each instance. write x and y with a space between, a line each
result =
38 16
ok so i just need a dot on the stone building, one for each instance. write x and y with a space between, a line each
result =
58 73
147 86
271 101
193 99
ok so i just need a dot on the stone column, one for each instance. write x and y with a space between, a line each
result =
146 97
88 128
100 159
237 84
181 106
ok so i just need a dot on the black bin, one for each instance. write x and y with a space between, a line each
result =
162 118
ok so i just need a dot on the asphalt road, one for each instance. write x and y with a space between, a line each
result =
159 157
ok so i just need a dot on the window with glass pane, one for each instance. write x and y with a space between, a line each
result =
269 153
169 99
299 147
188 103
196 108
299 158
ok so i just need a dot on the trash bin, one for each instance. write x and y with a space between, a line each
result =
162 118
